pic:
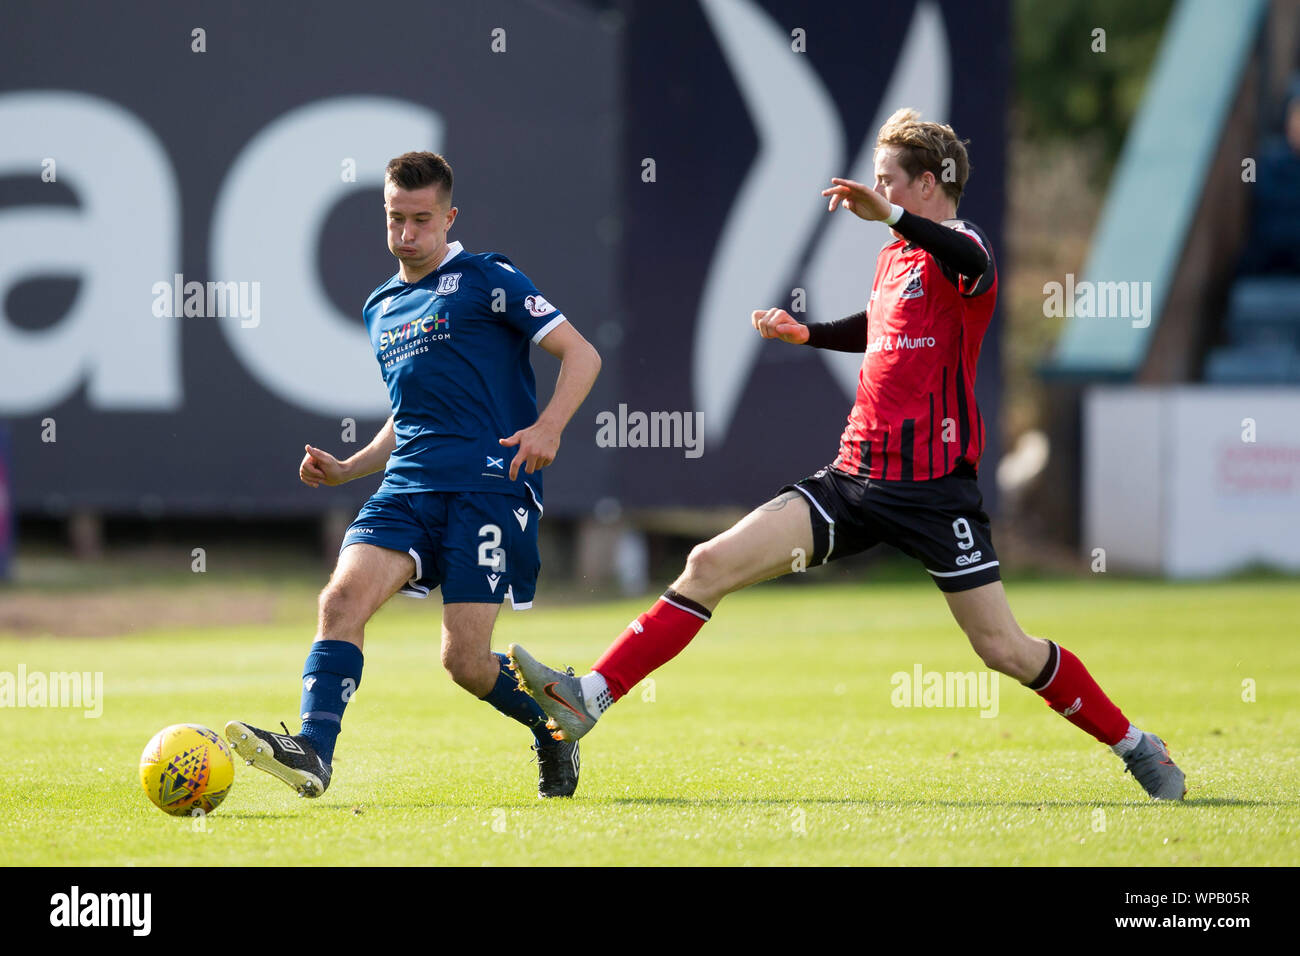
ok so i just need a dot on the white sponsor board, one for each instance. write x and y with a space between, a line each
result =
1192 481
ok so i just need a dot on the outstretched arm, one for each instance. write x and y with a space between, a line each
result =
960 253
848 334
321 468
579 366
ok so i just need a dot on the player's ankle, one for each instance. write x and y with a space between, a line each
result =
1132 737
596 694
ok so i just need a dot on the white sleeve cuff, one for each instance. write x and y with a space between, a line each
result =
545 329
895 214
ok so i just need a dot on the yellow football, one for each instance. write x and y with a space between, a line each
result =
186 769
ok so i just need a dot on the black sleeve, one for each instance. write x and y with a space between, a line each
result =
848 334
960 254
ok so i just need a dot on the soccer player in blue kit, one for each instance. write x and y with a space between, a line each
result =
462 492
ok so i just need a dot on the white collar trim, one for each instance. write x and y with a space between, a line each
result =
453 250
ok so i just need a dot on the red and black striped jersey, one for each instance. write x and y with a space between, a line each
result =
915 415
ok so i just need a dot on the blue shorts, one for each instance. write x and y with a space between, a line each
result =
478 547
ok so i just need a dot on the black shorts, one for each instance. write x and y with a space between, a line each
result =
940 522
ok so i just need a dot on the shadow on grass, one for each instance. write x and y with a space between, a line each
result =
862 802
921 803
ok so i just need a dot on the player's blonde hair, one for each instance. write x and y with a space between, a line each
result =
927 147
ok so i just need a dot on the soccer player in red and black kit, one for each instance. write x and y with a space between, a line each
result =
906 468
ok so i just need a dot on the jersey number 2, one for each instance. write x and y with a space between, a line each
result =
490 553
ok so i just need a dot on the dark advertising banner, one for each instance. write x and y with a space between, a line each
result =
7 545
746 111
190 219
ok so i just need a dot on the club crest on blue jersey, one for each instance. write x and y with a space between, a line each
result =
448 284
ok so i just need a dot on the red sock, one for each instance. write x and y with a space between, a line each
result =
650 642
1070 690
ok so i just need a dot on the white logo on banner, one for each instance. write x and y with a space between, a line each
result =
110 340
801 146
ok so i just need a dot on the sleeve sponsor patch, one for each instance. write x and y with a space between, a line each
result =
538 306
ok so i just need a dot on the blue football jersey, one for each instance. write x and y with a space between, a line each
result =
453 350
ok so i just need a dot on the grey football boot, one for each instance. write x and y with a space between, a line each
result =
557 693
1151 765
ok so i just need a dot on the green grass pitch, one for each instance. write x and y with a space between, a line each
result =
771 740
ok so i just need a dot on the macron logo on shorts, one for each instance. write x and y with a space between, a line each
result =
521 515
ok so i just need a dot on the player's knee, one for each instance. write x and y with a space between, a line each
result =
706 566
338 605
998 651
458 665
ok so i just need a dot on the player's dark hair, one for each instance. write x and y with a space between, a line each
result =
417 170
927 147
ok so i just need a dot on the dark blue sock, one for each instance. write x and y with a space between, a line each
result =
329 679
506 697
